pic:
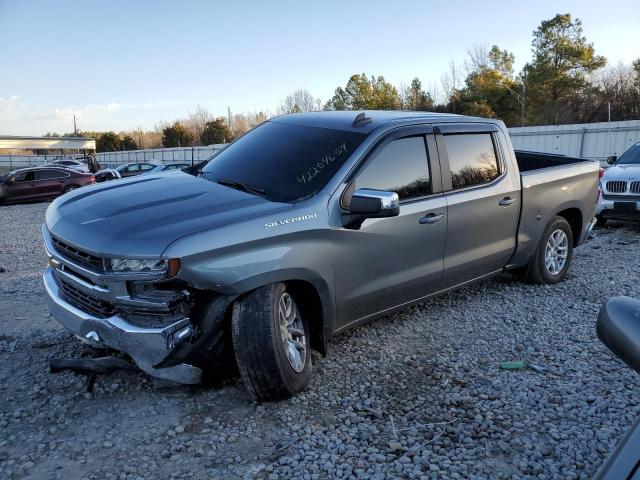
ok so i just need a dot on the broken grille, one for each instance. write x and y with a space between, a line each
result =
85 302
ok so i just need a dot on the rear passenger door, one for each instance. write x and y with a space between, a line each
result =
51 181
390 261
483 201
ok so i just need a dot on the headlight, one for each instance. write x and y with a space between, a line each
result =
168 266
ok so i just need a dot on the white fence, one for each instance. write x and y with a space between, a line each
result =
596 141
113 159
159 155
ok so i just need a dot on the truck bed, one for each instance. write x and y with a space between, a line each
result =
528 161
548 180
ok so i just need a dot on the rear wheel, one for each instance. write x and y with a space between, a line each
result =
272 343
70 188
552 258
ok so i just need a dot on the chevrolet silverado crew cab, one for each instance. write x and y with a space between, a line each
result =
307 225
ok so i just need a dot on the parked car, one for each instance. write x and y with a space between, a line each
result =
40 183
618 328
124 171
72 165
620 188
305 226
168 167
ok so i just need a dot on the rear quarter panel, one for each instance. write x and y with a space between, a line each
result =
548 191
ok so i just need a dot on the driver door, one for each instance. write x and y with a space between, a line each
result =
391 261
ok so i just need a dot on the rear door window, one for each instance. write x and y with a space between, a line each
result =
50 174
401 166
472 159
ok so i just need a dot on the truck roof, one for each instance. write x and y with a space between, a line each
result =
369 120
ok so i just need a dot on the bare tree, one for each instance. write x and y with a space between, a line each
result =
298 101
196 122
450 81
477 58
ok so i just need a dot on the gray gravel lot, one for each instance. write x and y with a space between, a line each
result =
416 395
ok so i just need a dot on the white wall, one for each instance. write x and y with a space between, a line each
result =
159 155
596 141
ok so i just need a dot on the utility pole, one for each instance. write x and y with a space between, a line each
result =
229 117
75 130
524 91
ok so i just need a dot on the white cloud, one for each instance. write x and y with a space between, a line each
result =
17 118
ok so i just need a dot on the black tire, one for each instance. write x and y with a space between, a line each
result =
600 221
537 271
70 188
258 341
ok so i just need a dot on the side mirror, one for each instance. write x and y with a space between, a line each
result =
367 203
618 328
612 159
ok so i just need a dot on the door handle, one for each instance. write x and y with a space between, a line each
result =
506 201
431 218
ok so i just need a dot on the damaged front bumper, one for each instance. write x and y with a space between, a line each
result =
76 296
146 346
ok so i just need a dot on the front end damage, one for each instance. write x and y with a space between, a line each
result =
144 314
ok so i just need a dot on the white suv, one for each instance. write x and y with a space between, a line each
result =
620 187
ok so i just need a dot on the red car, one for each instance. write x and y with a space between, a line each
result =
40 183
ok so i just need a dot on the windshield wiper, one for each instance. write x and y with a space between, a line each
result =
241 186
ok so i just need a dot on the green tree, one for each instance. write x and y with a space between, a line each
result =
490 89
416 98
128 143
364 93
176 135
108 142
562 61
215 132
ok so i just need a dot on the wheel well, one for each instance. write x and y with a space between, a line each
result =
308 301
574 217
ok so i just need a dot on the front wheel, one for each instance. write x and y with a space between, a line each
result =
552 258
271 342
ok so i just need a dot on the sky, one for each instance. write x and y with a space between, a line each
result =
120 65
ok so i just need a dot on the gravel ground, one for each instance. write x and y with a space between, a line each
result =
415 395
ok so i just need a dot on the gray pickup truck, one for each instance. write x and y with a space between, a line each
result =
305 226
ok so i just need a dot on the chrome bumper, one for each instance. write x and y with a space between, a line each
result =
146 346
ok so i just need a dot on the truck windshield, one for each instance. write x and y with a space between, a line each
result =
631 156
283 162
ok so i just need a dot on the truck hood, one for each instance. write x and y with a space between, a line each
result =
622 172
140 217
